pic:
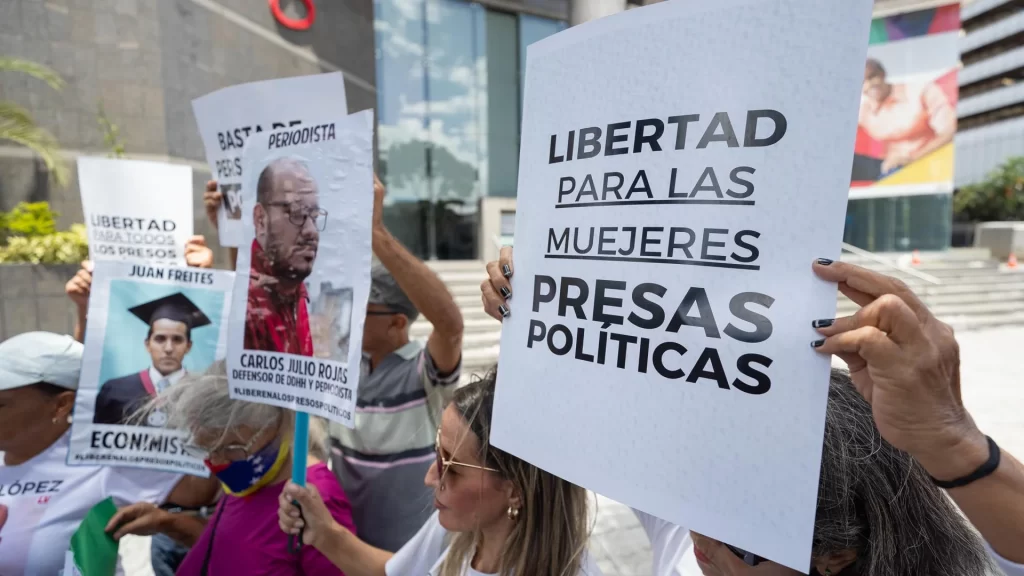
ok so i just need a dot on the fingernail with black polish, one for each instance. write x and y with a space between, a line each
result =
824 323
505 292
503 311
825 261
506 270
818 343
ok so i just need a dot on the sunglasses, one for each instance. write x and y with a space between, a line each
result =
443 465
749 558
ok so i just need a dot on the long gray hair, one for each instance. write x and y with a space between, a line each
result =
202 401
879 502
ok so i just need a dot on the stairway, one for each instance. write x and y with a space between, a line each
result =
974 291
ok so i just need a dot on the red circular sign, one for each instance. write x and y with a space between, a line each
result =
294 23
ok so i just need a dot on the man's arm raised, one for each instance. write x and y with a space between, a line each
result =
423 287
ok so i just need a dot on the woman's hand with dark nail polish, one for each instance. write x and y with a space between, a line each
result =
823 323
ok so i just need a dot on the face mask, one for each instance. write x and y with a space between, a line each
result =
243 477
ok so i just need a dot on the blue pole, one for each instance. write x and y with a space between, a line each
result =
300 448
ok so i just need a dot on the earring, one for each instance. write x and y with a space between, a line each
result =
512 513
54 421
828 572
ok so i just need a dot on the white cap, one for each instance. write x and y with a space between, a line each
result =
35 357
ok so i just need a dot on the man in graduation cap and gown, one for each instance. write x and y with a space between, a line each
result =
171 320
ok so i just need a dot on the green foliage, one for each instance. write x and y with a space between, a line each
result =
17 125
29 235
29 219
111 134
1000 197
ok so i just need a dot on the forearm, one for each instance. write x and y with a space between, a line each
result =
993 504
934 144
351 555
424 288
185 529
79 333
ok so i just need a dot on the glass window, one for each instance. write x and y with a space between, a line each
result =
900 224
402 119
502 104
532 29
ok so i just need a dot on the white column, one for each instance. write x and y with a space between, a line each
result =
581 11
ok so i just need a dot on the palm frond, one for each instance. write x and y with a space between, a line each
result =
16 125
33 69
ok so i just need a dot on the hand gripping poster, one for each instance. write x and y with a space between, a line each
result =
682 165
136 210
149 327
230 116
304 269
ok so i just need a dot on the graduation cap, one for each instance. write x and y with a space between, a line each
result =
176 307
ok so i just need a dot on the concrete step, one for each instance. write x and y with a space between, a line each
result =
446 266
421 328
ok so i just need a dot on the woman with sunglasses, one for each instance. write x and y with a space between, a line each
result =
880 510
247 446
496 514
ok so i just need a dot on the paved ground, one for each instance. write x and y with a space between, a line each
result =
992 390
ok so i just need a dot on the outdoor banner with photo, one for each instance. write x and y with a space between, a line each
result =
907 117
135 209
230 116
149 326
663 290
299 302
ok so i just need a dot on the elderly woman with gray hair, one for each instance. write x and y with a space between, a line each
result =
247 446
896 436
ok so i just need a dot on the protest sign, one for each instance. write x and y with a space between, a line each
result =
228 117
136 210
681 166
300 298
148 327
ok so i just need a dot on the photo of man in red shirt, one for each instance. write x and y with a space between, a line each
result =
288 221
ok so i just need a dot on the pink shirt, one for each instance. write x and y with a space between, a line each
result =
247 539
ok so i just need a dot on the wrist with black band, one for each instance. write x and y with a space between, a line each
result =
987 468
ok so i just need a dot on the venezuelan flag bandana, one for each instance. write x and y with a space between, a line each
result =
243 477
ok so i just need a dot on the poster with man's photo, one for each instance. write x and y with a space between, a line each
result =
136 209
299 301
230 116
149 327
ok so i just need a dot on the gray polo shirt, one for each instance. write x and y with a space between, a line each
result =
381 463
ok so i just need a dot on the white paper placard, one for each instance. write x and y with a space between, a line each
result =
228 117
149 326
681 167
297 325
135 209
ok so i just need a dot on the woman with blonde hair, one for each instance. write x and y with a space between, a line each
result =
496 514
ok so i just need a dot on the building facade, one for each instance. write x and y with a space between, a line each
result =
991 109
143 61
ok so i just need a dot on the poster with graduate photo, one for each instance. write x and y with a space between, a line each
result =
164 324
300 297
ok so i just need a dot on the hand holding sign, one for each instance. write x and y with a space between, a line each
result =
314 521
79 286
211 201
906 363
197 253
496 290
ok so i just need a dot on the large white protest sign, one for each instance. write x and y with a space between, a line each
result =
297 324
136 210
228 117
681 167
149 326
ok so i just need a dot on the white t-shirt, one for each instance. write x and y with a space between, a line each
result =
673 549
424 553
46 500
